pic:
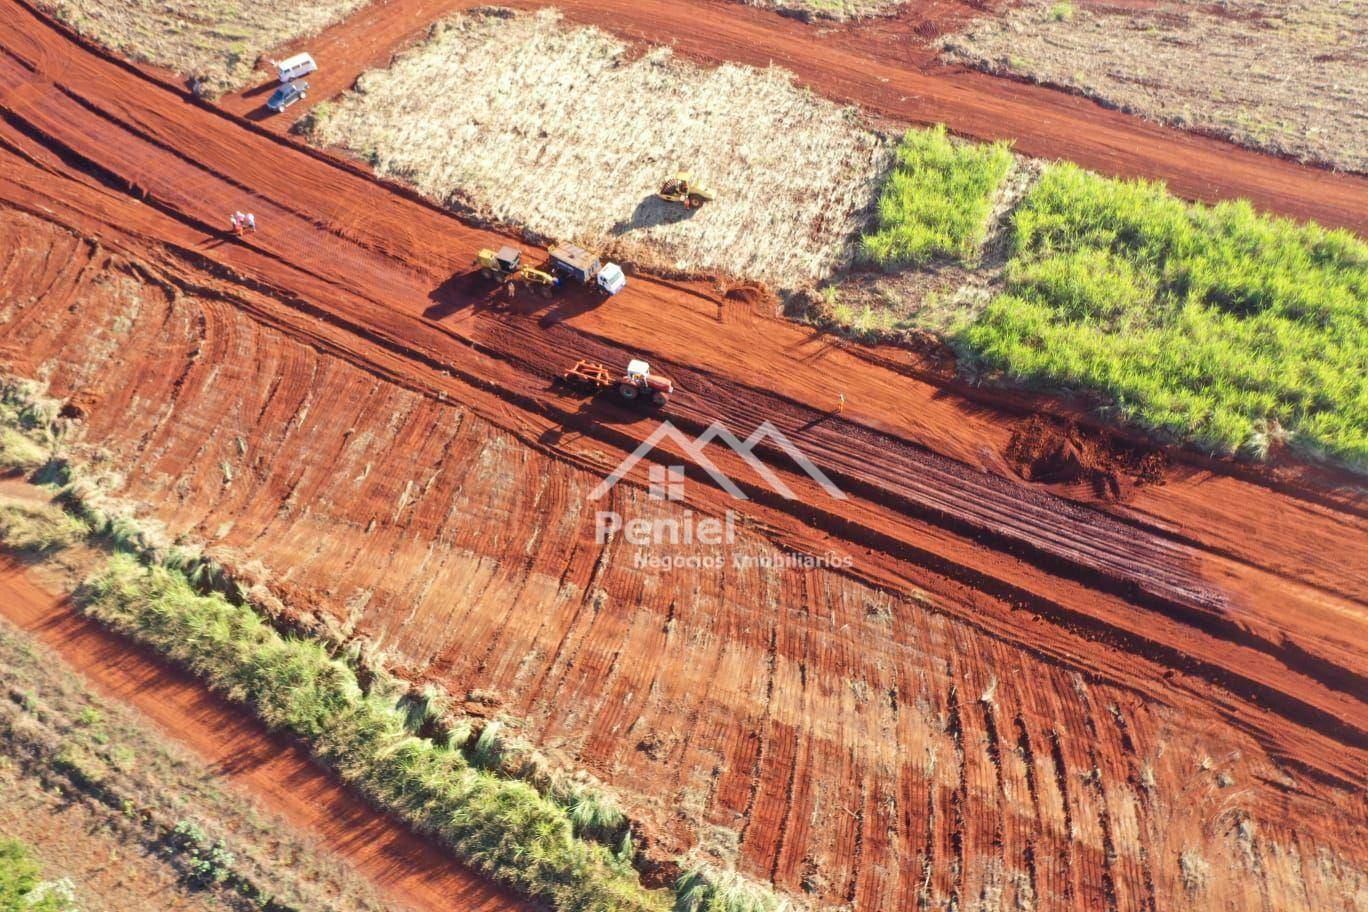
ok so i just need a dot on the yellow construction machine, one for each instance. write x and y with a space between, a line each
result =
682 188
505 266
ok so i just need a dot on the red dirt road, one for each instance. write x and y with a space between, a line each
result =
849 727
883 67
407 869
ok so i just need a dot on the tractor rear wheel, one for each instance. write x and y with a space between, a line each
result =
628 390
695 201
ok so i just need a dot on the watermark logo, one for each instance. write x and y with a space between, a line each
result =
666 483
694 449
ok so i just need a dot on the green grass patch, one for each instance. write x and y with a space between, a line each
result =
21 888
1213 325
710 889
936 201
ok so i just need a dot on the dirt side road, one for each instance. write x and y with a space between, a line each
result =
405 867
890 75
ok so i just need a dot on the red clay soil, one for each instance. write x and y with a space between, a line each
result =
886 68
1051 451
408 870
985 694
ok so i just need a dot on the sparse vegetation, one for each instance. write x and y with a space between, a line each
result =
1195 871
1214 325
936 200
18 453
81 779
709 889
1286 77
839 10
215 44
569 132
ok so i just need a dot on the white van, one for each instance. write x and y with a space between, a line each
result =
296 66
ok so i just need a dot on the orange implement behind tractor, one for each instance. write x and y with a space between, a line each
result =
637 382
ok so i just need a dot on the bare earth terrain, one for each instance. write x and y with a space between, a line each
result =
821 729
1287 77
1092 691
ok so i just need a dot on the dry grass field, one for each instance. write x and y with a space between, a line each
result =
215 43
524 120
1282 76
840 10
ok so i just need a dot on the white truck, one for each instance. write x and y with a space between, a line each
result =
569 261
296 66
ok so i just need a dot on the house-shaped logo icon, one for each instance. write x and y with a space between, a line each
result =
667 482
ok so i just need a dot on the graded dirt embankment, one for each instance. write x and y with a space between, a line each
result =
1011 693
278 772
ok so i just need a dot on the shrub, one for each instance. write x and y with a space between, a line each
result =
1209 324
936 200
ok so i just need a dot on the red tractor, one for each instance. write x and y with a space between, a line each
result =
637 383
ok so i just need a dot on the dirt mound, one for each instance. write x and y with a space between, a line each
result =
1049 451
752 294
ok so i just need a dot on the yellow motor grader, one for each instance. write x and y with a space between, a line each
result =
682 188
505 266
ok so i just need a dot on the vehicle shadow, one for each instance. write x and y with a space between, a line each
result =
651 212
567 305
463 291
265 88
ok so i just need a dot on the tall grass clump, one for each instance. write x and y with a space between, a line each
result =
1213 325
30 423
502 827
38 529
18 453
711 889
937 199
